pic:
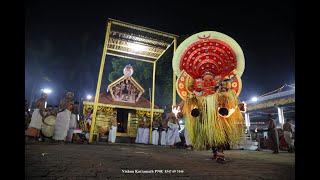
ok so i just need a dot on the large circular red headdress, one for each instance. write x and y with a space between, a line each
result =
205 60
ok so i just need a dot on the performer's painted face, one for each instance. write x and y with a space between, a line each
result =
198 84
208 80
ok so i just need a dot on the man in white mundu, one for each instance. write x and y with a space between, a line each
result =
62 125
73 121
146 131
63 118
185 131
287 132
140 131
155 132
74 116
164 128
113 129
37 116
173 130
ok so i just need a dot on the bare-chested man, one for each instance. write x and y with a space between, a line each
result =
155 131
140 131
63 118
113 128
37 116
74 116
164 128
65 102
173 129
73 124
146 131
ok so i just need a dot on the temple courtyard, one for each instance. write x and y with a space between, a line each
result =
45 160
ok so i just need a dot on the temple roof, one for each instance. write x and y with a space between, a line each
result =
106 99
122 78
283 97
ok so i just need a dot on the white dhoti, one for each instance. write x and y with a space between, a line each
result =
62 125
72 126
186 136
112 134
139 135
73 121
287 137
173 134
177 135
145 137
163 141
69 135
155 137
36 120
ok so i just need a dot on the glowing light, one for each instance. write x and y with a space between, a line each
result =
48 91
29 109
137 47
256 130
176 110
180 122
254 99
89 97
45 104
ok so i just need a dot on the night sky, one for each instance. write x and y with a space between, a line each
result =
64 39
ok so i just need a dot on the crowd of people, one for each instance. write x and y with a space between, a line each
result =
274 139
165 132
56 123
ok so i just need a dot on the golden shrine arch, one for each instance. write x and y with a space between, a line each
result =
138 43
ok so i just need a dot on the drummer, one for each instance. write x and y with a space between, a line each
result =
38 114
49 110
73 121
55 110
74 115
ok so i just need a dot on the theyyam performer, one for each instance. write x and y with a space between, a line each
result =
209 66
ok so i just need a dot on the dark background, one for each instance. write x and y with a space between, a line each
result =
64 39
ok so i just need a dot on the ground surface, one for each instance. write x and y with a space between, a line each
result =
106 161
